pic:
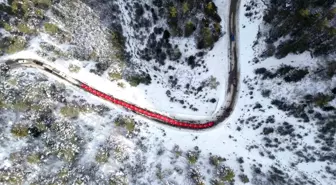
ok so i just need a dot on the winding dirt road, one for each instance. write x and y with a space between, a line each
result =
233 79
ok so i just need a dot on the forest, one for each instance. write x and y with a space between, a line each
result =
300 25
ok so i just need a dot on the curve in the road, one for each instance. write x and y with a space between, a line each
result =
231 91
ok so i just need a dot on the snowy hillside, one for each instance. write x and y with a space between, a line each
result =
280 132
178 80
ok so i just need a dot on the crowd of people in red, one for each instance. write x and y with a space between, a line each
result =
147 113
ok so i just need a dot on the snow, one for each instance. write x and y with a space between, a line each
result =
108 87
153 96
224 139
217 140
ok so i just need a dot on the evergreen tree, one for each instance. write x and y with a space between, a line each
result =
306 22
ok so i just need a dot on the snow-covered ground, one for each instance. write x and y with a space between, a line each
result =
113 89
240 139
153 96
235 138
217 64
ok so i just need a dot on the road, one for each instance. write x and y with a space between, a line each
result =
233 79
